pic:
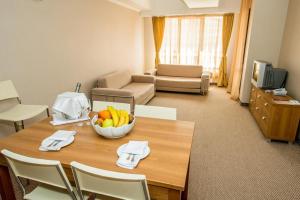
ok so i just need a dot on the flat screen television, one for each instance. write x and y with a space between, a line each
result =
266 77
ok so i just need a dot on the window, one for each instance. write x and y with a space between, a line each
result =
195 40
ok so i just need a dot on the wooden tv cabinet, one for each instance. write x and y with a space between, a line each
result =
277 119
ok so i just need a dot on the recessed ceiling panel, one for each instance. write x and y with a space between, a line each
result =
201 3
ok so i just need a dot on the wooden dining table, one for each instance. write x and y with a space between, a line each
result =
166 167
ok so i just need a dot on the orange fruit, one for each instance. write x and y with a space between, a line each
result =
104 114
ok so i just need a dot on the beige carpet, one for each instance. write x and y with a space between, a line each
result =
230 157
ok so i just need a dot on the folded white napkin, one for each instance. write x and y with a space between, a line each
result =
57 140
131 154
136 147
73 105
128 161
58 121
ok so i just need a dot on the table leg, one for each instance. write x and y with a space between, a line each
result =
6 188
184 194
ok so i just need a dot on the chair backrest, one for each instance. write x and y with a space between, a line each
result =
49 172
155 112
7 90
102 105
115 80
191 71
108 183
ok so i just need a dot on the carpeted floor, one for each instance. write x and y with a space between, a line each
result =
230 158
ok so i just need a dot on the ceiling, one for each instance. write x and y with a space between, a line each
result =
137 5
179 7
201 3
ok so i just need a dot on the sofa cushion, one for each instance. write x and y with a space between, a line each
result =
172 89
140 90
115 80
178 82
192 71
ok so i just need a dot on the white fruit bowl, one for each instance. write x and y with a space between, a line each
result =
112 132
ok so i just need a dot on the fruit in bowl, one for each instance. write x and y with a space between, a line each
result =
113 123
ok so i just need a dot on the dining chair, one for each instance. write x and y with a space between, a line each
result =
102 105
19 112
54 182
155 112
109 184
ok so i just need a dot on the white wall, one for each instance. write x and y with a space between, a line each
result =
265 34
149 44
289 56
47 46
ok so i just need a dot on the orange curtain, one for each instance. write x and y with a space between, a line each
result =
158 32
238 56
226 34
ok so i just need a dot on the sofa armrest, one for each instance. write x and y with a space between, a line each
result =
111 92
205 82
151 72
143 79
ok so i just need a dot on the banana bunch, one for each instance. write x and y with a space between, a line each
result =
119 117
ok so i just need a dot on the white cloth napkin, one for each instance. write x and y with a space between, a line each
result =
57 140
131 154
71 105
60 121
136 147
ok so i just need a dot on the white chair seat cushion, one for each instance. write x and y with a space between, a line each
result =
22 112
48 193
155 112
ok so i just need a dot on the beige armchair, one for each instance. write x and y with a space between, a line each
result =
124 87
181 78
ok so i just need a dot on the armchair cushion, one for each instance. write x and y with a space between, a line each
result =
115 80
141 91
112 92
151 72
190 71
178 82
143 79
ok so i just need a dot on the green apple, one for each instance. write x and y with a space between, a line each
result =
107 123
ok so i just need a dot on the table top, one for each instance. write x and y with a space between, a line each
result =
167 164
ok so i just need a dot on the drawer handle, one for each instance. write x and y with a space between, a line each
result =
257 108
251 100
266 104
253 89
258 96
263 118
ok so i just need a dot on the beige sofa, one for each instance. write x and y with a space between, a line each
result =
181 78
124 87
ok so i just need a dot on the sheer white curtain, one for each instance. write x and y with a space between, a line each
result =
195 40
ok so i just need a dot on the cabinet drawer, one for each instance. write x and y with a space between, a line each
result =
265 105
262 118
253 93
252 104
265 121
259 95
256 110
